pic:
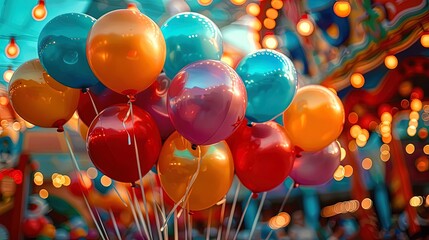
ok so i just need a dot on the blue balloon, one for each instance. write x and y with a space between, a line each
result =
271 83
62 50
190 37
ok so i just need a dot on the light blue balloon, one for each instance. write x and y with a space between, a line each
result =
62 50
271 83
190 37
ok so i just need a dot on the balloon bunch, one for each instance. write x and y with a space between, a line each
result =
117 61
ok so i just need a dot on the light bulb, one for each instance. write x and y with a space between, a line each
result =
133 7
342 8
424 40
357 80
305 27
12 49
391 61
270 41
7 75
39 11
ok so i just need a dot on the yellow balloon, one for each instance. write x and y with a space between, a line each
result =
178 162
39 99
315 118
126 51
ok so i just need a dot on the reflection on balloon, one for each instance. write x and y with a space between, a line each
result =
206 102
316 168
126 51
178 163
190 37
40 99
62 49
271 82
109 147
263 155
315 118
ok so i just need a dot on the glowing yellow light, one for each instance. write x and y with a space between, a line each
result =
269 23
411 131
365 133
67 180
39 11
414 115
348 171
352 146
416 201
391 61
57 183
361 140
270 41
339 173
422 164
385 156
355 130
256 24
426 149
366 203
38 178
386 139
353 118
272 13
227 59
92 172
305 27
424 40
427 200
276 4
342 8
366 163
286 218
384 147
205 2
413 122
410 148
238 2
343 154
106 181
16 126
4 101
12 49
357 80
43 193
7 75
416 105
386 116
253 9
54 175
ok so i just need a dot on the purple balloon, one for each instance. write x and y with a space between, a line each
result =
206 102
316 168
154 101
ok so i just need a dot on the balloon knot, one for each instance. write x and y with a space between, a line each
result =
255 195
250 124
131 98
60 129
85 90
194 146
298 151
60 125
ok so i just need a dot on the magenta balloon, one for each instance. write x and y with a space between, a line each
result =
206 102
316 168
154 101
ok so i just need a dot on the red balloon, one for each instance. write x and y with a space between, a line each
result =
102 96
108 142
263 155
154 101
32 227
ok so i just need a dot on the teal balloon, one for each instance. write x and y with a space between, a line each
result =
62 50
271 83
99 186
190 37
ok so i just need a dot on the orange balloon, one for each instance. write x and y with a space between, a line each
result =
40 99
315 118
83 129
126 51
178 162
48 231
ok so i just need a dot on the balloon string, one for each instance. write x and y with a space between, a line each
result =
125 120
281 207
92 101
161 193
140 172
156 208
189 222
115 225
209 224
136 221
242 216
188 188
255 221
222 216
77 169
140 214
119 195
176 226
231 214
185 226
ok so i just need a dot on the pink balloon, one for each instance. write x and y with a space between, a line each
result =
206 102
154 101
316 168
